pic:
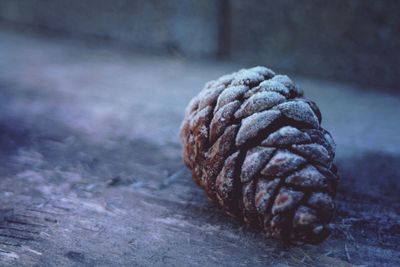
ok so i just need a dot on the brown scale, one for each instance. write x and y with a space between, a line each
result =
257 148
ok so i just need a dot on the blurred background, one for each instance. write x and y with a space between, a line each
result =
92 95
354 41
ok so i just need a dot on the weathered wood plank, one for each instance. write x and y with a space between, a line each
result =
91 170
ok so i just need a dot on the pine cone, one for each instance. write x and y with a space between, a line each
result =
257 148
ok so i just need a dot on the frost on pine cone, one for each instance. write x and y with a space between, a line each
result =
256 147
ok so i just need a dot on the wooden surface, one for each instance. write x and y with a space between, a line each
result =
91 170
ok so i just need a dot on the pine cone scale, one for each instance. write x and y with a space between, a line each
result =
257 148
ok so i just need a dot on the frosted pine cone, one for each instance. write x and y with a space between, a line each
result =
257 148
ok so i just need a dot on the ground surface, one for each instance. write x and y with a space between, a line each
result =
91 170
